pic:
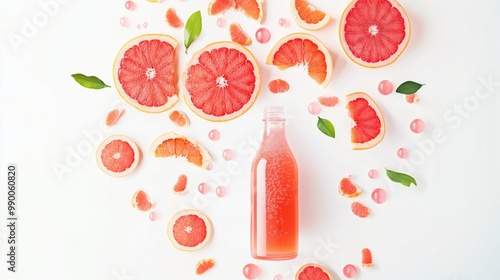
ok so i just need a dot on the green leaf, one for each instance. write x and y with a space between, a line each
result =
192 29
404 179
409 87
326 127
89 81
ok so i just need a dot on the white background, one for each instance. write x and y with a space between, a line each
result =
81 225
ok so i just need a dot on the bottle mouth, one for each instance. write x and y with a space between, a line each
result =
274 113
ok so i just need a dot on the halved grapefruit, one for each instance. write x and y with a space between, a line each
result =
374 33
144 73
303 49
117 156
174 145
141 201
189 230
368 127
221 81
312 271
348 189
308 17
251 8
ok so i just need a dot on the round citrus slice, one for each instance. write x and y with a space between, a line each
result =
368 127
348 189
360 210
303 49
173 145
312 271
203 265
278 86
238 35
374 33
117 156
173 19
144 73
180 185
221 81
251 8
308 17
141 201
189 230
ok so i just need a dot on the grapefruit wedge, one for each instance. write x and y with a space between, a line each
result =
368 127
144 73
374 33
303 49
189 230
312 271
251 8
348 189
221 81
141 201
174 145
308 17
117 156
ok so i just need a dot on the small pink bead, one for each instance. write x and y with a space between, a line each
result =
350 271
145 24
221 22
279 277
314 108
228 154
385 87
372 174
417 126
125 22
214 135
220 191
203 188
139 26
210 166
283 22
262 35
402 153
379 196
251 271
153 216
130 5
351 177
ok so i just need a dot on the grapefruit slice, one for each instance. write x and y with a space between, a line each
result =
173 145
348 189
203 265
117 156
312 271
278 86
221 81
141 201
251 8
144 73
366 258
328 101
173 19
308 17
113 116
181 184
374 33
303 49
368 127
238 35
189 230
179 118
360 210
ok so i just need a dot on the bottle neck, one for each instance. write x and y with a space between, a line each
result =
274 124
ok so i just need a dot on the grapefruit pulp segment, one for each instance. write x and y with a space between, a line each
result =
144 73
303 49
173 19
203 265
221 81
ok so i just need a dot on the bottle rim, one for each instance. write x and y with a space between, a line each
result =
275 113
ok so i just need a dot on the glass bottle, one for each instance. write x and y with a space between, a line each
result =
274 193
